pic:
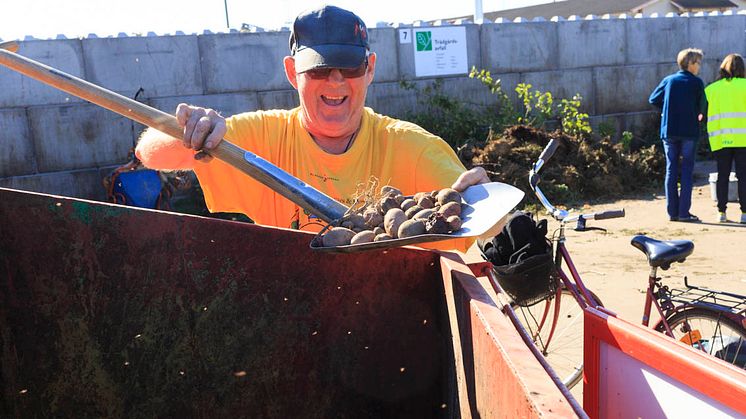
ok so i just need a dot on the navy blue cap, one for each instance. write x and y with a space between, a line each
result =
328 37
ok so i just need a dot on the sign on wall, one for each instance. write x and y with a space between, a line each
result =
439 51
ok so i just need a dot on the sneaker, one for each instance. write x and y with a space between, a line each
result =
722 218
743 218
673 218
691 218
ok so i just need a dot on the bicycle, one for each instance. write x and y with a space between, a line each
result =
706 319
710 320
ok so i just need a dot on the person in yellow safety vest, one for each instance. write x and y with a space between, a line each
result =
726 127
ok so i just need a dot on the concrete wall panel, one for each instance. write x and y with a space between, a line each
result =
405 55
86 184
244 61
18 90
663 70
656 40
383 41
718 36
612 123
516 47
564 84
77 137
508 83
226 104
160 65
624 89
474 42
469 91
472 91
17 157
640 122
708 71
280 99
391 99
586 43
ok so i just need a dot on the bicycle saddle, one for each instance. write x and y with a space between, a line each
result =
661 254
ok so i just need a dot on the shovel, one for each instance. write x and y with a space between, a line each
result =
495 201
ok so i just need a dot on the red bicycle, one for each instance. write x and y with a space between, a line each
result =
710 320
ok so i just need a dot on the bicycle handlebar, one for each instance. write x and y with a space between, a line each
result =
549 150
546 154
605 215
560 214
602 215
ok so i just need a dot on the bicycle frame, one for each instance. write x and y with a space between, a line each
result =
576 286
731 305
672 305
651 299
577 282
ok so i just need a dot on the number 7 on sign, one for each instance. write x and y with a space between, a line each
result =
405 36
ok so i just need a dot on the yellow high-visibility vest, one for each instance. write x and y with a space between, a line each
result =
726 113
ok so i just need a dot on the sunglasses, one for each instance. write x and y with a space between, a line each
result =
348 73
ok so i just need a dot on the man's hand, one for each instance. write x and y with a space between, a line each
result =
476 176
471 177
203 128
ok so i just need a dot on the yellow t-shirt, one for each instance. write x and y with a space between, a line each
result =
397 153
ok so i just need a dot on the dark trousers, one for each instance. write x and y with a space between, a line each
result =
725 158
679 170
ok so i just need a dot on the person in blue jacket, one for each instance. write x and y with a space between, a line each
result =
681 97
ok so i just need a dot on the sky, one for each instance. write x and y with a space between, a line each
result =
45 19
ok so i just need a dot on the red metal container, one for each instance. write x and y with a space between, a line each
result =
112 311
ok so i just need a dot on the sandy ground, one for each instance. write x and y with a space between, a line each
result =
618 272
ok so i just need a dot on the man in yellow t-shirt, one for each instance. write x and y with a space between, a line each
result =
386 148
331 142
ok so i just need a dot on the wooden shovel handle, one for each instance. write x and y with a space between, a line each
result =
263 171
11 46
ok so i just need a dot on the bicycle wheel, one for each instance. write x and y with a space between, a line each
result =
711 332
564 351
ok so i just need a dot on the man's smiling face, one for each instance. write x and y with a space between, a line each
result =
332 107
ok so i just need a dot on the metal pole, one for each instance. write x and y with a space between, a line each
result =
478 14
227 23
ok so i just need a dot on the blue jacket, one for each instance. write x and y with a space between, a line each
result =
681 96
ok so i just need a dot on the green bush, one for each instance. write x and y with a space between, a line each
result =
447 117
574 122
507 137
606 129
460 124
626 141
537 106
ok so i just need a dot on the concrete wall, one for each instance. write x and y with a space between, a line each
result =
56 143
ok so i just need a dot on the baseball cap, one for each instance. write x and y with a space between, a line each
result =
328 37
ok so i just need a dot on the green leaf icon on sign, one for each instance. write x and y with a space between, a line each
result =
424 41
